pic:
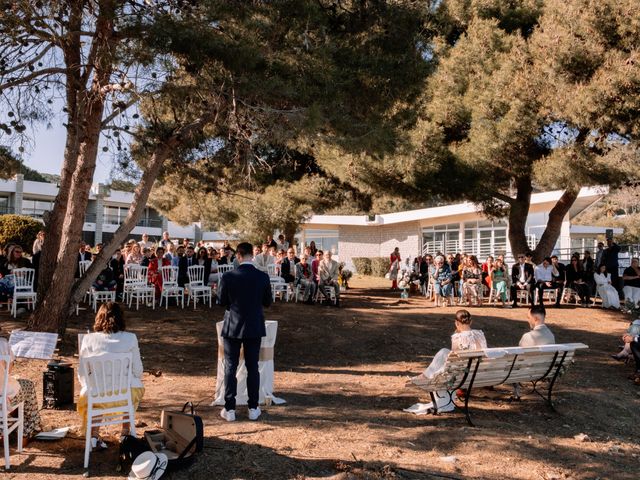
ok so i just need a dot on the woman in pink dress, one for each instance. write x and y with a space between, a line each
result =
394 268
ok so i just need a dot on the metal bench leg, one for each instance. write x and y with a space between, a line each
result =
553 381
468 394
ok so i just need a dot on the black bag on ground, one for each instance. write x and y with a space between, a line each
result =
130 448
180 437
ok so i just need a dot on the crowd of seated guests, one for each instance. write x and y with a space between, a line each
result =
461 279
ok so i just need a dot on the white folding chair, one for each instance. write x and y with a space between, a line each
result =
223 269
197 288
108 380
279 288
9 423
141 290
273 270
170 288
132 277
23 289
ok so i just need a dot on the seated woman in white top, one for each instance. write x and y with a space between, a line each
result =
21 390
110 337
607 292
464 339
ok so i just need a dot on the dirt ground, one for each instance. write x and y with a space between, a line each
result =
342 372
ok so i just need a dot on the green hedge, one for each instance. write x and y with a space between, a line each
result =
380 266
376 266
362 264
20 230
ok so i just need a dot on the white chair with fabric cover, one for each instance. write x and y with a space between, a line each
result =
170 288
197 288
9 423
108 380
23 289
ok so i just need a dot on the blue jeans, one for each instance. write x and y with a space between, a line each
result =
231 359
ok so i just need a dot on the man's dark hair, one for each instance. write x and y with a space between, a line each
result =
538 311
244 249
554 256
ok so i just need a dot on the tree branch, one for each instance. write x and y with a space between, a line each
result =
503 197
39 73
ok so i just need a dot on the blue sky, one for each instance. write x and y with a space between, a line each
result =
47 148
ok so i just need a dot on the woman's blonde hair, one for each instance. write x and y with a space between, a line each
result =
109 319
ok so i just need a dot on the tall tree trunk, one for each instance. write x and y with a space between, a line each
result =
53 305
55 219
518 213
554 224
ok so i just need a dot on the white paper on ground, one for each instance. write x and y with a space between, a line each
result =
57 434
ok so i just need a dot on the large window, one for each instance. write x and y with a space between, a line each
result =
116 215
4 205
441 238
324 239
484 237
36 208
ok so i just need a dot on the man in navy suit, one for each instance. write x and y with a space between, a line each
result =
243 292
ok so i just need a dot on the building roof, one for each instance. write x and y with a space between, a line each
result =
586 197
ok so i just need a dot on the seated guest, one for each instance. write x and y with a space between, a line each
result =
184 262
110 337
304 277
521 279
117 267
558 274
442 281
154 273
314 249
186 243
543 276
105 280
315 264
486 271
205 261
146 257
214 276
135 255
171 251
589 269
272 243
14 259
256 251
264 258
633 330
227 257
576 281
288 266
22 390
498 277
631 277
465 338
634 344
539 335
472 280
175 261
328 271
608 293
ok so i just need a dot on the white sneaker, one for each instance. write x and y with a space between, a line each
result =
228 415
254 413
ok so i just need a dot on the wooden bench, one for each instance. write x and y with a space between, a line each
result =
497 366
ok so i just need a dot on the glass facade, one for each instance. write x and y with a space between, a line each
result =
35 208
324 239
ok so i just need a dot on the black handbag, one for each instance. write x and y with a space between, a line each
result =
180 437
130 448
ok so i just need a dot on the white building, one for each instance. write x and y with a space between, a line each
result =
448 229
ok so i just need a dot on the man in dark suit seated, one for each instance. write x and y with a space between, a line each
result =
83 256
183 264
288 266
521 279
243 292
